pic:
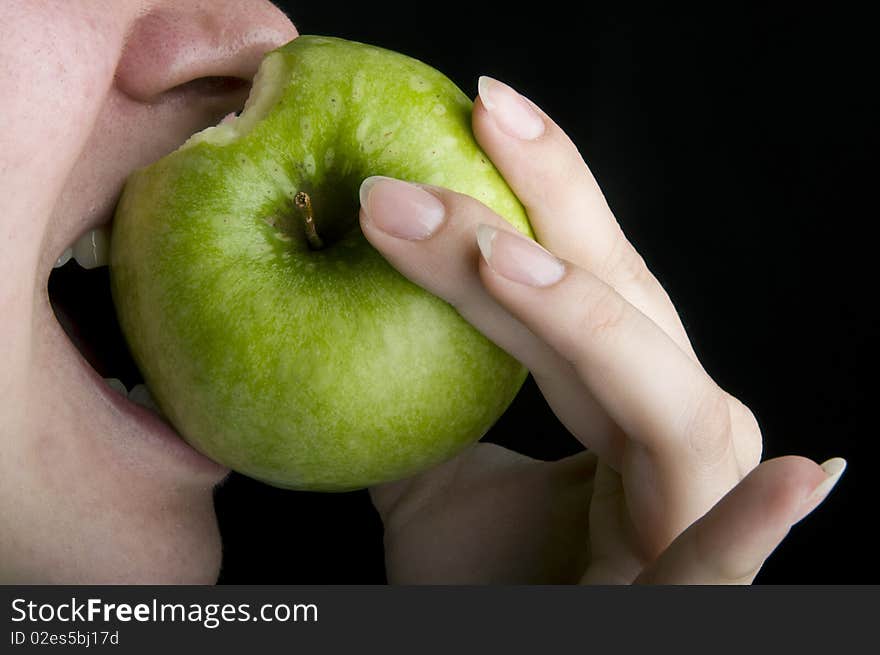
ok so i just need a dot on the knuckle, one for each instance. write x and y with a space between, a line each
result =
708 428
624 267
601 314
746 434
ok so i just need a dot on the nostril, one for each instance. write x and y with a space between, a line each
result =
214 86
214 44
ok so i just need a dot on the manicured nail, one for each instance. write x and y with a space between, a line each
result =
518 258
401 209
511 111
833 468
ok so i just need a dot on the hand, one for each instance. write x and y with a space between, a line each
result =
670 489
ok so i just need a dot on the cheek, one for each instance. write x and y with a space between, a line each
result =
57 67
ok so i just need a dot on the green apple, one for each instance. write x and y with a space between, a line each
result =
272 335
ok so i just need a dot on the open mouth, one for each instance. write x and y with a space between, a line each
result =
111 389
79 293
80 297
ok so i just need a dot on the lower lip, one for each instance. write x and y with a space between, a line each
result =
174 453
155 428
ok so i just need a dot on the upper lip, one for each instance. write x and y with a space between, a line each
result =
69 227
229 95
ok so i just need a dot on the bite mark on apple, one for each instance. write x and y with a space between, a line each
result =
265 94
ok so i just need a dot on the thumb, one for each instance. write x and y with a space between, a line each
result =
730 543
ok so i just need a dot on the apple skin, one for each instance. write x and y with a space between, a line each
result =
309 369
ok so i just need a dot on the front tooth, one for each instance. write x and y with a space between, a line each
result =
65 257
229 118
92 249
141 395
116 384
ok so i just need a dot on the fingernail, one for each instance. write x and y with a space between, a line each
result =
401 209
518 258
833 468
511 111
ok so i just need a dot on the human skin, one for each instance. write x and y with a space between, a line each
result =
671 488
91 90
92 492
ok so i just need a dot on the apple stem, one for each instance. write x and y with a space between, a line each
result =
304 203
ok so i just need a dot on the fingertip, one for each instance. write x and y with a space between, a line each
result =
483 83
831 472
402 209
480 109
732 541
834 467
363 220
485 130
778 487
518 258
485 237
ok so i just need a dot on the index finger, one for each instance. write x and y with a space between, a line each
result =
566 207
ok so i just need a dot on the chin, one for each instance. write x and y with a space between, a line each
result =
177 544
188 553
169 539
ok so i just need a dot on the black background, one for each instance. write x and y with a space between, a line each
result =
733 147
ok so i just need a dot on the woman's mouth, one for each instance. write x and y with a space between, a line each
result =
107 389
79 292
79 295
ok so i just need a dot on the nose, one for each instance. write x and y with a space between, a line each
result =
176 42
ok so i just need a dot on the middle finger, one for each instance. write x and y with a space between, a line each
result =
442 258
565 205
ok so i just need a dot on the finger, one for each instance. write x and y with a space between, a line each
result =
644 380
681 456
428 235
730 544
615 556
565 205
